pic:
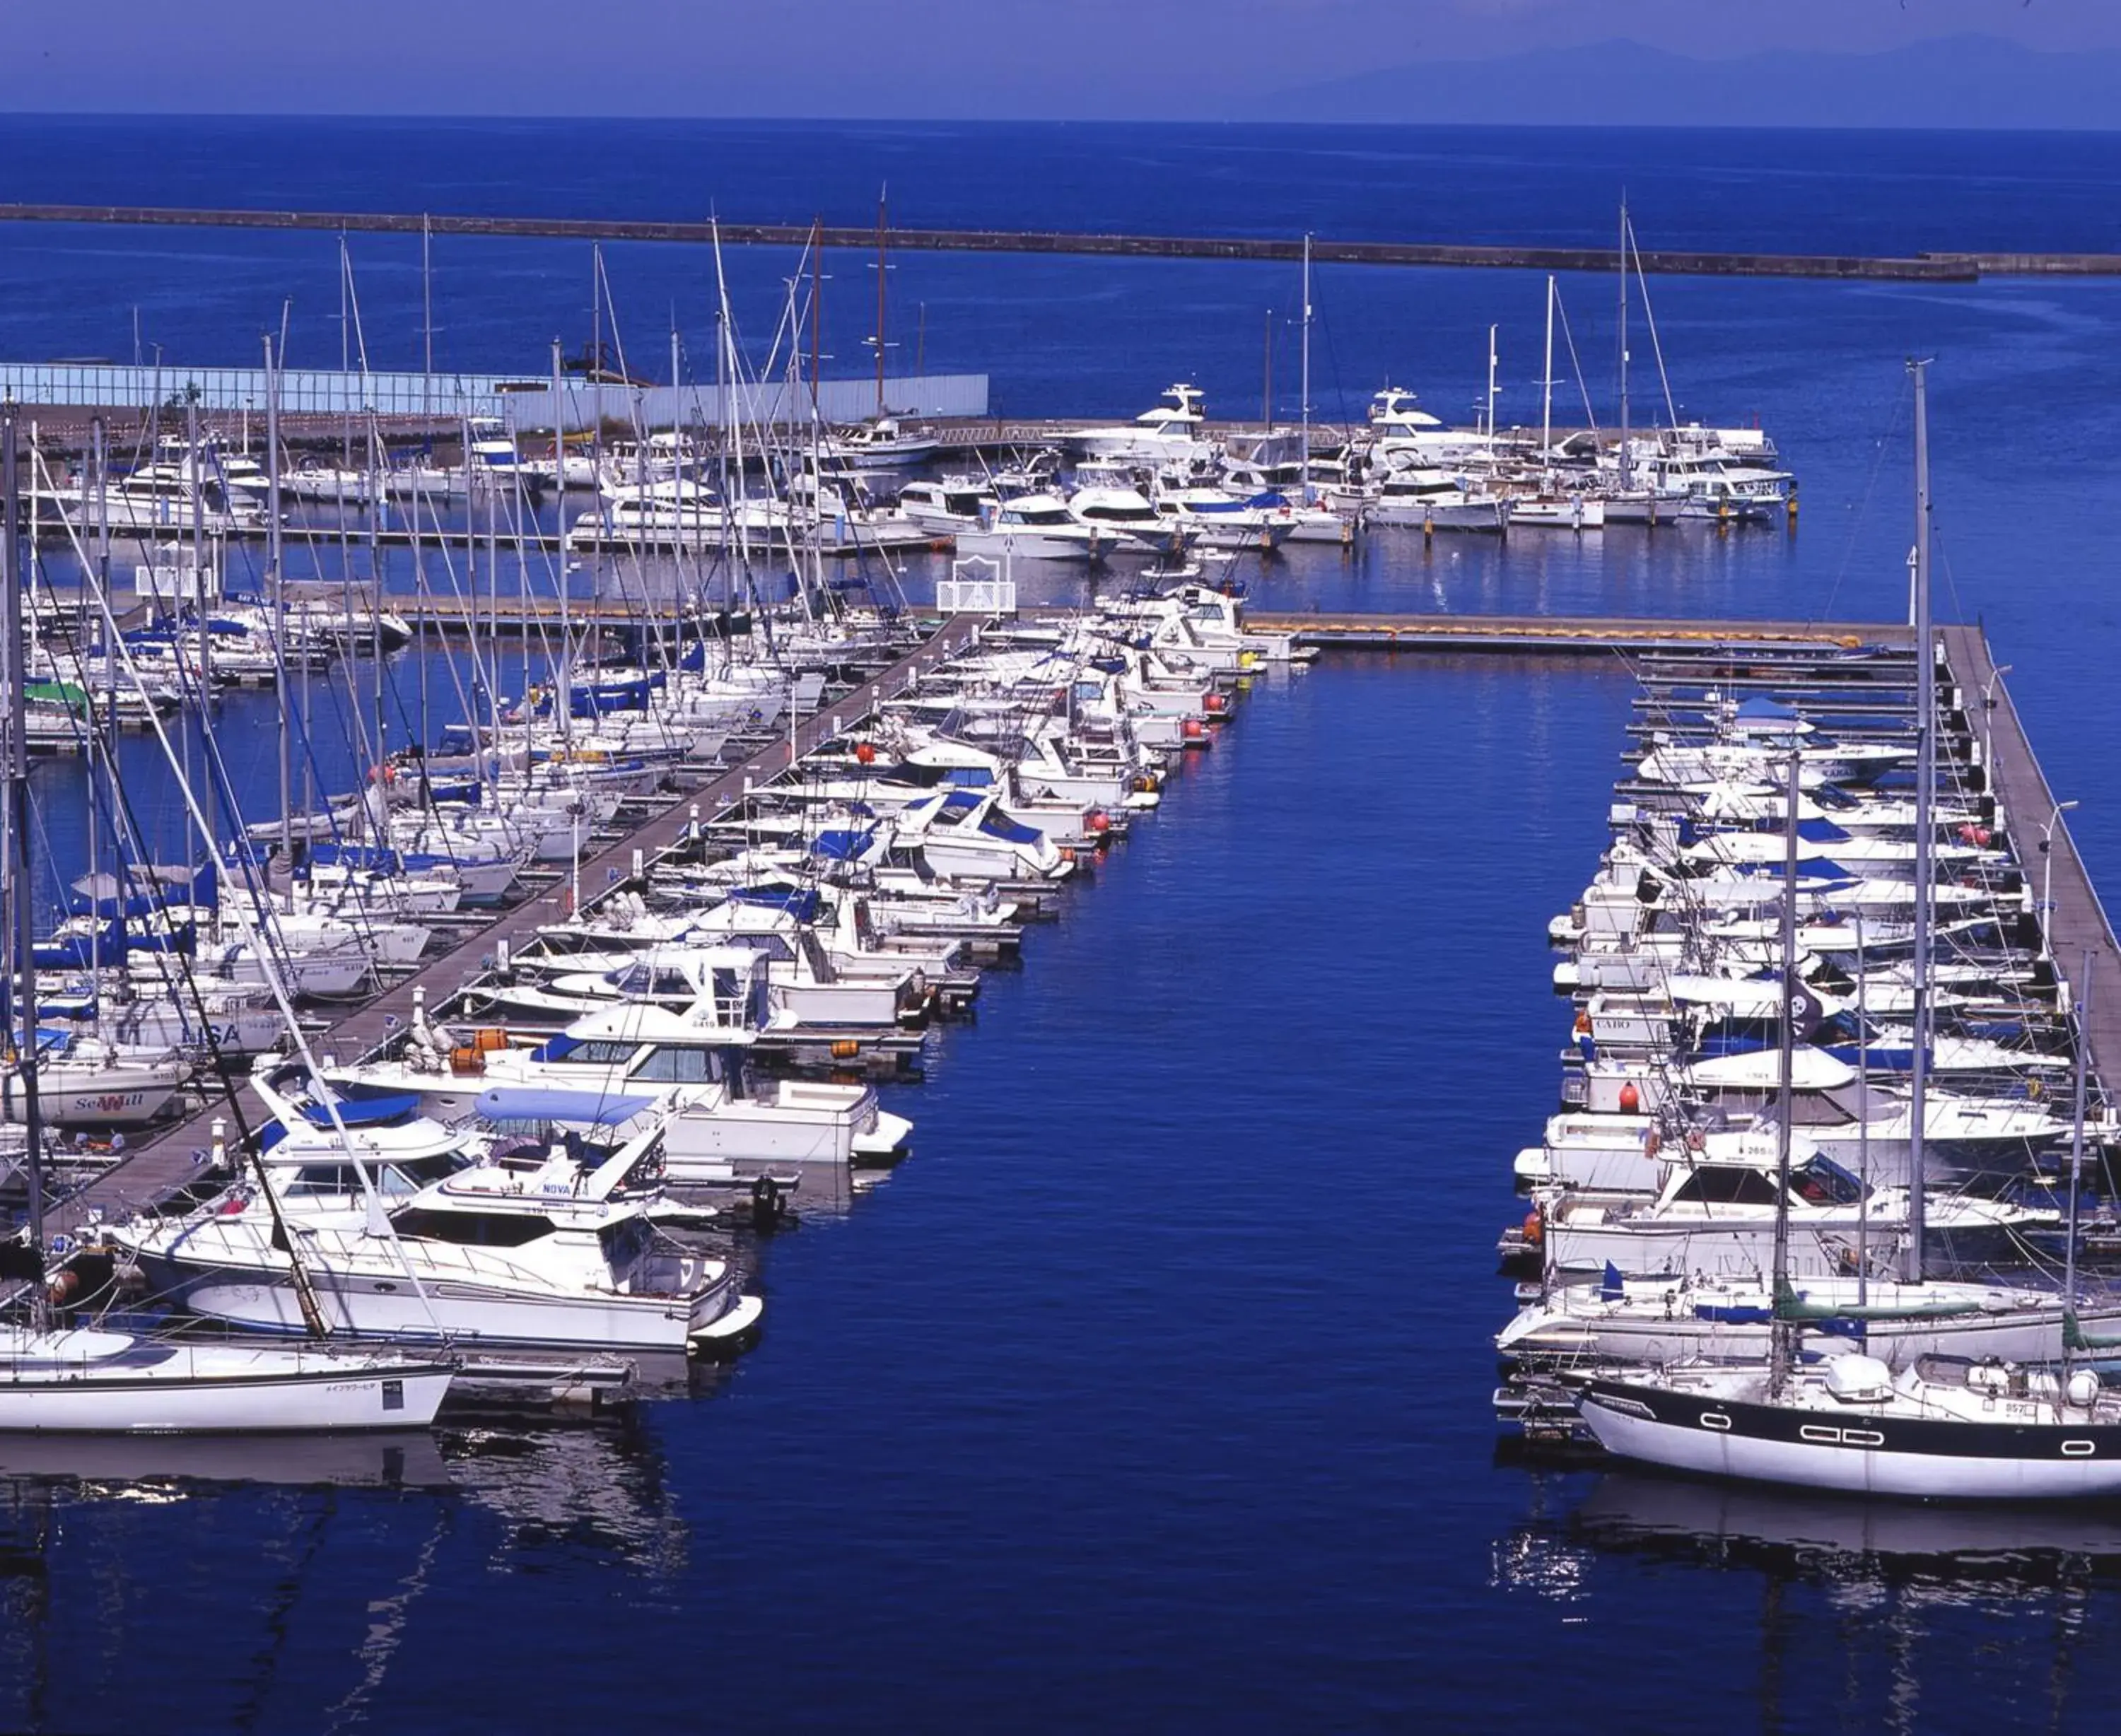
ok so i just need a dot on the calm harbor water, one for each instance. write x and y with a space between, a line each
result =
1151 1391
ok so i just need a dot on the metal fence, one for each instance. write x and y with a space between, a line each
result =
523 404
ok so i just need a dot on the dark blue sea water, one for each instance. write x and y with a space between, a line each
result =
1151 1393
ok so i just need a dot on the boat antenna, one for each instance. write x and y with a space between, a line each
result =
1925 672
1782 1331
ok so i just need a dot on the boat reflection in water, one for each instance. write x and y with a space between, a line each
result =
1834 1612
1980 1551
599 1488
121 1464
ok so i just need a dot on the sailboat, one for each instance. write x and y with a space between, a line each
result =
883 441
60 1378
1941 1428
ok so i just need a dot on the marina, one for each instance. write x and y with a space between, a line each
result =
849 1030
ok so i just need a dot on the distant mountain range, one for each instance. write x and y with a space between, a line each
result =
1948 82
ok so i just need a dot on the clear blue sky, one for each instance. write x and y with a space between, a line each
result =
914 58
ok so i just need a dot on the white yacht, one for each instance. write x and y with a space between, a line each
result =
1037 527
879 443
541 1250
1172 431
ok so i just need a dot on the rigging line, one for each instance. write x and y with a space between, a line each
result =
189 681
1576 364
1649 319
1944 559
1863 505
275 980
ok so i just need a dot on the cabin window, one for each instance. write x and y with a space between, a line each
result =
1727 1185
601 1054
676 1066
314 1179
472 1229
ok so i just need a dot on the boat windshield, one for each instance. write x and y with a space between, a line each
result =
1726 1185
1822 1182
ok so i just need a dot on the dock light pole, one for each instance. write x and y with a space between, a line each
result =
1988 721
2046 870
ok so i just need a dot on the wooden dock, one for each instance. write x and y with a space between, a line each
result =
170 1158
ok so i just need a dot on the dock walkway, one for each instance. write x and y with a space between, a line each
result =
169 1160
2078 922
1567 636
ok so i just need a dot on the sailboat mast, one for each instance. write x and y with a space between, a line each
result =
1780 1346
564 700
1627 464
17 868
2076 1157
1491 384
279 598
1266 382
1546 380
1925 791
880 268
428 316
816 316
1303 383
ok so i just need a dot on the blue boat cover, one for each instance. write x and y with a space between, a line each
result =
841 846
800 902
364 1111
998 825
548 1103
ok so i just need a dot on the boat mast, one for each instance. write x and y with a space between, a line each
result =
1546 382
564 699
1780 1344
1491 387
428 316
1925 783
1267 382
1862 1124
16 870
816 316
278 593
2075 1167
880 268
1627 464
1303 384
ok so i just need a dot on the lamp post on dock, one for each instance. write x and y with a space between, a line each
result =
2046 870
1988 721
